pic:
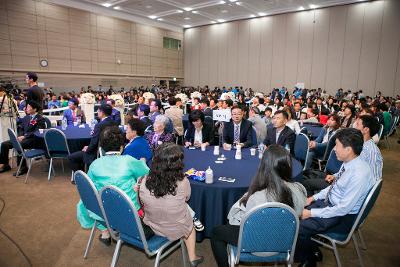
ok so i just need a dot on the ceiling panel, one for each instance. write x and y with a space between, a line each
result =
192 13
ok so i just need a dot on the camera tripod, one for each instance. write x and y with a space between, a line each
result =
9 109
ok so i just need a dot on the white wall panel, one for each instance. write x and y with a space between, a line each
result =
278 50
264 79
305 48
291 48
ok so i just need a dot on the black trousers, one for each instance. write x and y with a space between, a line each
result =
314 184
220 237
7 145
305 247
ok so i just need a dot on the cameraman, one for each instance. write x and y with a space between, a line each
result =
34 92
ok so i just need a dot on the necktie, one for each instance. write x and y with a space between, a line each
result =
333 184
236 136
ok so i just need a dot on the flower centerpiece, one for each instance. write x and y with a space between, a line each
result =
147 96
183 97
87 101
228 95
195 94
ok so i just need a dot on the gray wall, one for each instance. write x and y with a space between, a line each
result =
353 47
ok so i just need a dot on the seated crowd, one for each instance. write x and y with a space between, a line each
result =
148 162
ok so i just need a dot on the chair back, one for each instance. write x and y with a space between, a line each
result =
301 148
88 193
209 121
48 122
15 143
333 164
122 215
254 136
331 144
101 152
56 143
380 132
271 227
365 209
393 125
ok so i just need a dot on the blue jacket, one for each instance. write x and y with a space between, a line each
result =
68 115
116 116
138 148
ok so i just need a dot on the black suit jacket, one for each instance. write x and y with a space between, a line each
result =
91 151
208 112
35 93
207 133
246 133
28 127
287 136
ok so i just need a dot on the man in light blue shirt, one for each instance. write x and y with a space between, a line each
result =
335 208
369 126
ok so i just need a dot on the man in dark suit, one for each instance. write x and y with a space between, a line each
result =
280 134
238 131
321 107
115 114
88 153
296 110
29 124
34 92
205 107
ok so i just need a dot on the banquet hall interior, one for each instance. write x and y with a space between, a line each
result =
215 133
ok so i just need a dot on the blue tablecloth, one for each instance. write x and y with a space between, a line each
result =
77 137
212 202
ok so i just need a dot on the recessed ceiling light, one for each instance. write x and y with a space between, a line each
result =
262 14
152 17
160 19
222 2
179 11
187 26
187 18
301 8
195 12
213 21
238 3
313 6
220 20
117 7
252 16
232 1
148 6
106 4
187 8
224 11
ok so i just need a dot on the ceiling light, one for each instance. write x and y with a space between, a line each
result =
220 20
187 26
301 8
222 2
187 18
252 16
117 7
152 17
213 21
179 11
195 12
187 8
262 14
238 3
224 11
313 6
106 4
233 1
148 6
160 19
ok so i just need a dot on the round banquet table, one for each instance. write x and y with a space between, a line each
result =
77 137
212 202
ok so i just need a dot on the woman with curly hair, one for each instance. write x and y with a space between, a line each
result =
164 194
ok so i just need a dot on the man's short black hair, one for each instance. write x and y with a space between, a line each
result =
32 75
35 105
350 137
268 109
196 115
106 109
284 114
172 101
371 123
137 125
157 103
229 102
145 109
205 101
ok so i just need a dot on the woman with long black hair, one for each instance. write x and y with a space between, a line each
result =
272 183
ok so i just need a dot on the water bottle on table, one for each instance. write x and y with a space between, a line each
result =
64 124
209 176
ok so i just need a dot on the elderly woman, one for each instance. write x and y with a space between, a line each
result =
137 146
159 135
115 169
198 133
164 194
